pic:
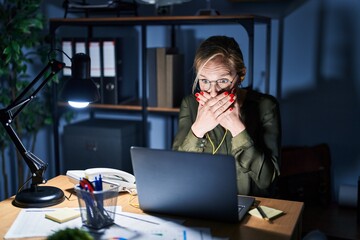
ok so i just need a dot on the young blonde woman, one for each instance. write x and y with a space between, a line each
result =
222 118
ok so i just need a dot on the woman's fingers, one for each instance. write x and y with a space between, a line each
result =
216 105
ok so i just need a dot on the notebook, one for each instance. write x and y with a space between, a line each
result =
195 185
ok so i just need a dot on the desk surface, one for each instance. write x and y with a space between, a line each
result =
287 226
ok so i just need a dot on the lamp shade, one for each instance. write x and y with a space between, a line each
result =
80 87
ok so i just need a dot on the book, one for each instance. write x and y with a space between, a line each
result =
165 77
151 75
174 80
161 76
270 213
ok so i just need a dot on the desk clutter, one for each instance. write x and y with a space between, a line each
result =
101 217
126 226
131 223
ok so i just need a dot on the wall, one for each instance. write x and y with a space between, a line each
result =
320 86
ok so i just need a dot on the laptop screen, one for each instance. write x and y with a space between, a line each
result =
197 185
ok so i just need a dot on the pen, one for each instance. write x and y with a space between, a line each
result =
262 213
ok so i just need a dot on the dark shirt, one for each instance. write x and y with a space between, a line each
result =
256 149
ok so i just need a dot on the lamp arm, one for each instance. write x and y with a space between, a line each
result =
19 103
36 165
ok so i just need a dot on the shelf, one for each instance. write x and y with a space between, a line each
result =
163 110
246 20
154 20
126 108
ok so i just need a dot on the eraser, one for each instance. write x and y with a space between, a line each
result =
62 215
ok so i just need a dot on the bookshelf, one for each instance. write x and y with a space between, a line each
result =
246 22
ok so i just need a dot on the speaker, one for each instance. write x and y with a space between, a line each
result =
100 143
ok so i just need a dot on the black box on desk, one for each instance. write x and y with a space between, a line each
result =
100 143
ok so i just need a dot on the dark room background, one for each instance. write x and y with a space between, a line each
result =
314 73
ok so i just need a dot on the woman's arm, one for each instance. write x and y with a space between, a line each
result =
185 140
262 161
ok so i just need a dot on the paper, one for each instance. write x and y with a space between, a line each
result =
63 215
32 223
151 227
270 212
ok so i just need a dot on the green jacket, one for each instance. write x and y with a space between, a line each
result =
256 150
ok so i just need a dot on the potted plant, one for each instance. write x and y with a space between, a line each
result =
22 45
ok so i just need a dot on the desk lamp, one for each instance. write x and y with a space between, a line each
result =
80 83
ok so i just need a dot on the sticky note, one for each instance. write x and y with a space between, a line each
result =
270 212
62 215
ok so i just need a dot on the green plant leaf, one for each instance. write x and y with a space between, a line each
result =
15 47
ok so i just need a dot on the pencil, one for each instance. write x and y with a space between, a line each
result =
262 213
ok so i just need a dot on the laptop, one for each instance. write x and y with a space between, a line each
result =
195 185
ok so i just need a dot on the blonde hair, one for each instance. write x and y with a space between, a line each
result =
219 46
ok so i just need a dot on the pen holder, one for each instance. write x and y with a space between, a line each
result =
98 208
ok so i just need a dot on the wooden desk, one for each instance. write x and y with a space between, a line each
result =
287 226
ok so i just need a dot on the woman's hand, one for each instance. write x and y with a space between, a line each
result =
210 111
231 120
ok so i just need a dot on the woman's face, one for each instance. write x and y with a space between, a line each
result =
216 77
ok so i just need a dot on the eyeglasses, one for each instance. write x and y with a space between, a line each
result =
222 83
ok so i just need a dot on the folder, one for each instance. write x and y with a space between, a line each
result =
95 66
94 53
80 46
67 48
109 80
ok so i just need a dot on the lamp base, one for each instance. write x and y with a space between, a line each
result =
38 197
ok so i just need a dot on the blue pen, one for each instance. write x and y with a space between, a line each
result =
100 183
96 184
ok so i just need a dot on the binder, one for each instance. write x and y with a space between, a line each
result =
95 67
109 81
67 48
105 69
80 46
